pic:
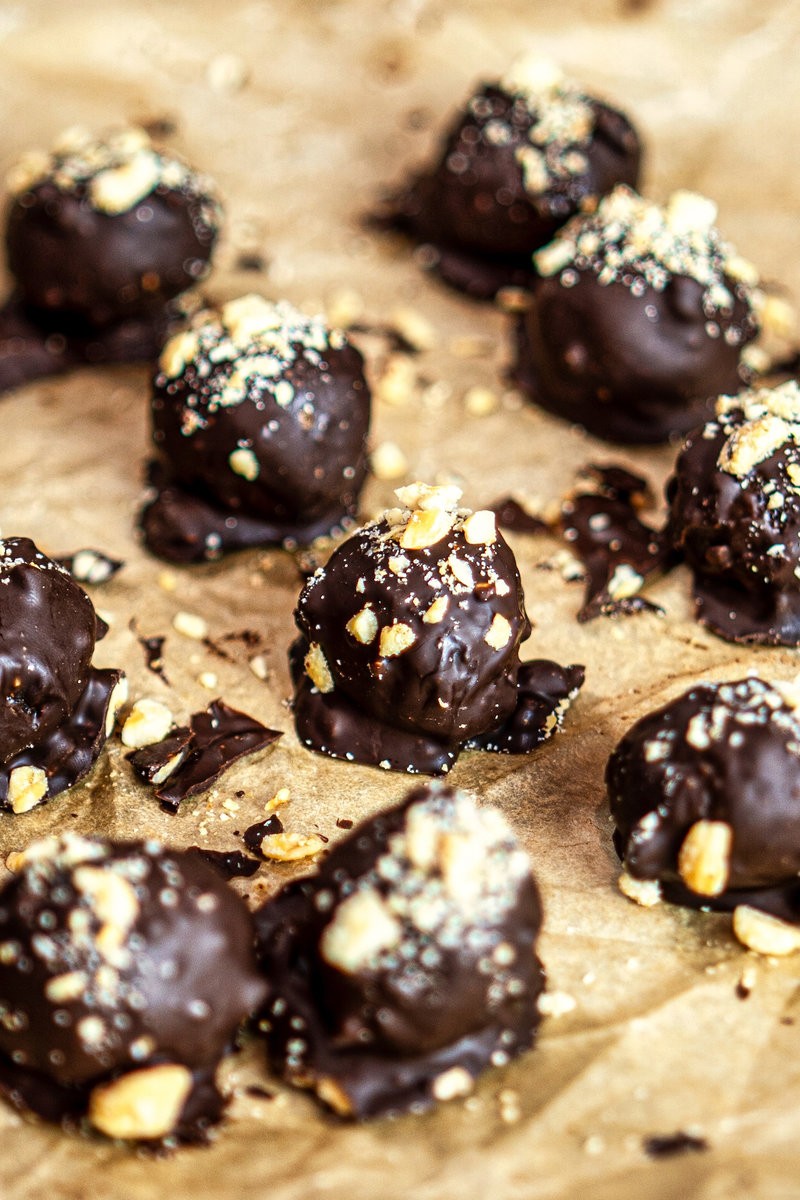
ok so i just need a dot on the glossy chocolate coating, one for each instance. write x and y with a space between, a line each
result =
727 753
101 236
69 254
478 209
636 323
48 628
282 461
596 356
162 967
372 1024
739 531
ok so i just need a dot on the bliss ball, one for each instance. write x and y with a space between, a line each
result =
125 970
639 318
260 418
104 228
407 965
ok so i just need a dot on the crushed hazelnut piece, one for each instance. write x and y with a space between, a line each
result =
190 625
480 528
646 892
290 847
317 669
436 612
149 721
498 634
454 1082
281 797
425 528
362 927
397 383
415 328
396 639
624 582
27 787
332 1094
704 857
243 461
142 1104
363 626
764 933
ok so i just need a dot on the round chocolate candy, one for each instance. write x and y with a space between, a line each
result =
56 710
640 316
410 642
524 156
260 415
406 965
735 516
705 794
106 228
125 970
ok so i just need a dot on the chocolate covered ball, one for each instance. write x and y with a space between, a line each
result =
410 636
526 154
735 516
56 710
109 227
125 970
705 794
260 415
407 964
640 317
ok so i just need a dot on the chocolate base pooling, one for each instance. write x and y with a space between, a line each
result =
181 525
370 1035
335 725
68 753
38 345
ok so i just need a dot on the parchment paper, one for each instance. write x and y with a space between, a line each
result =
321 105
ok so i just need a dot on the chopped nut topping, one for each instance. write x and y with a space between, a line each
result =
27 787
462 571
362 928
753 442
388 461
415 328
426 497
63 988
149 721
114 902
142 1104
317 669
498 634
332 1094
763 933
624 582
480 528
289 847
396 639
704 857
454 1082
398 381
425 528
190 625
281 797
363 626
243 461
437 611
646 892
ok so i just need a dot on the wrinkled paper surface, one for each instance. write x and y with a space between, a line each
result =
319 107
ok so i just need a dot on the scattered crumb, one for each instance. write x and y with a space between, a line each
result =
190 625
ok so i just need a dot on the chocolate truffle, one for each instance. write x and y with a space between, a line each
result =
102 233
526 154
406 965
705 794
260 414
410 642
125 970
640 317
735 516
56 709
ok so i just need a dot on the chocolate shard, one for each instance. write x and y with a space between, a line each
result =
90 566
155 763
667 1145
255 834
220 737
230 864
618 550
513 516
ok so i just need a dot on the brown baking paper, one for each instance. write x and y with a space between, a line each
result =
303 112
